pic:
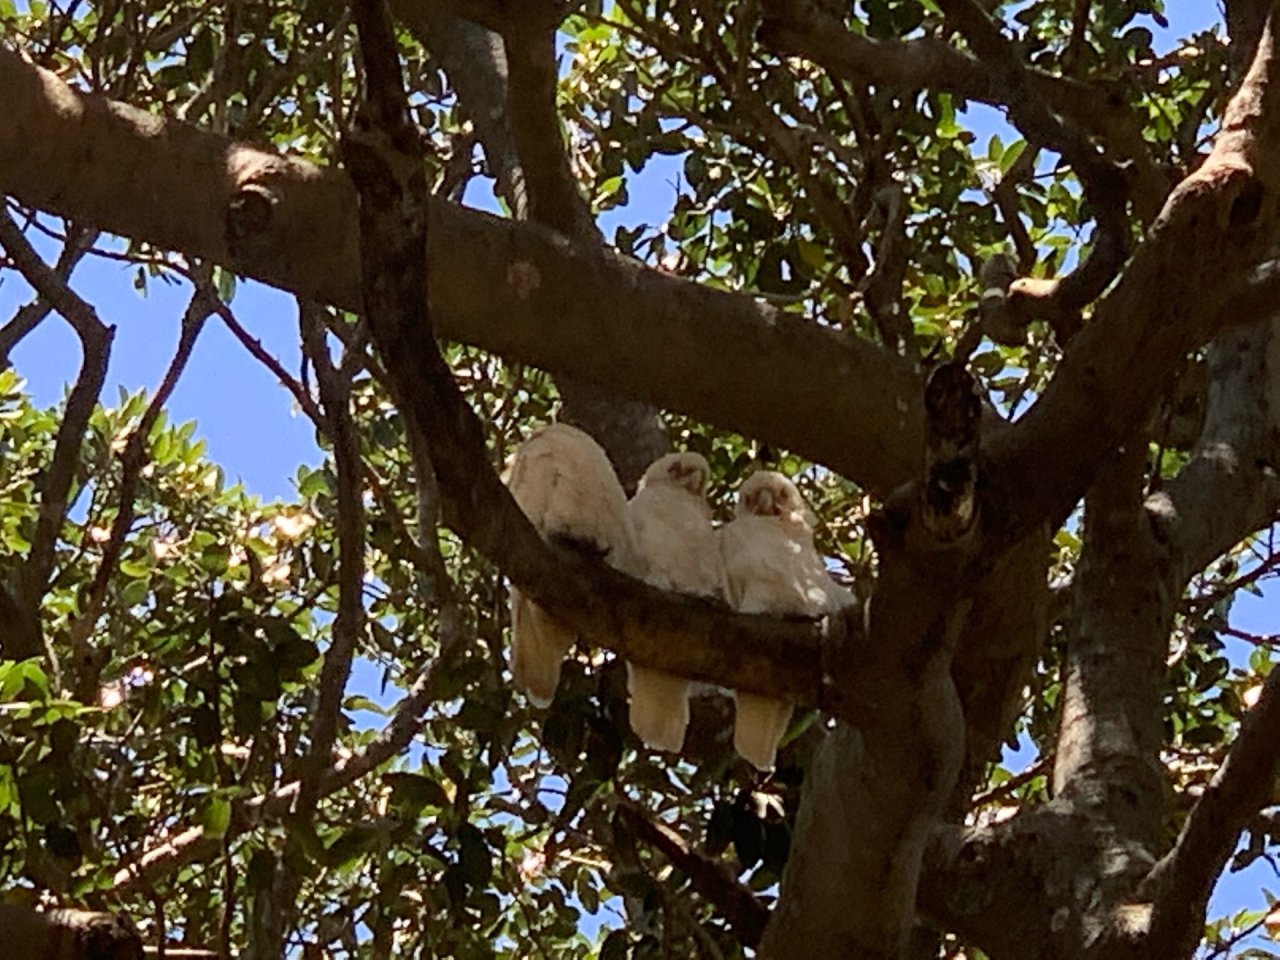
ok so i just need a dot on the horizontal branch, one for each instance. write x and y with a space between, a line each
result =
515 289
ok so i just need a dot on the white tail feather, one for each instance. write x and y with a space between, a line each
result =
659 707
538 647
758 726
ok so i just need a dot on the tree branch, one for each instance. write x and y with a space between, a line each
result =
588 312
1057 300
797 28
68 933
1110 727
55 486
1229 487
1216 227
77 244
132 461
475 59
745 914
1183 880
349 624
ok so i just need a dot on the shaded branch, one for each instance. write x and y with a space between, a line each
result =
28 317
1229 487
475 60
1216 226
349 624
553 194
512 288
744 913
1111 720
72 934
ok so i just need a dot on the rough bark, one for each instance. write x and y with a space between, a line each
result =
1213 230
1069 879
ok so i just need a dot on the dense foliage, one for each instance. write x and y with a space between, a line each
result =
185 621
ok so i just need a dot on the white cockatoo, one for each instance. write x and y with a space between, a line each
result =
677 546
563 481
771 566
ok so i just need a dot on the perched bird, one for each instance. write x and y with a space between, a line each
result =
564 483
771 566
671 524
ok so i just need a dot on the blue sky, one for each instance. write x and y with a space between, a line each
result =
249 422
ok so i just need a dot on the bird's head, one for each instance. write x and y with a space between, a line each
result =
689 471
768 493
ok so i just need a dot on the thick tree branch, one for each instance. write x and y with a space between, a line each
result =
1216 227
1111 718
554 197
68 934
475 59
873 795
608 319
1108 775
1230 486
1012 888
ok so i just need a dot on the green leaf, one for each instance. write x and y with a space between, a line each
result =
215 819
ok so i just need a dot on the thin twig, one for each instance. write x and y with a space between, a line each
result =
133 459
55 486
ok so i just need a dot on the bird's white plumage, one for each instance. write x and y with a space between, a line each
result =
563 481
678 548
771 566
